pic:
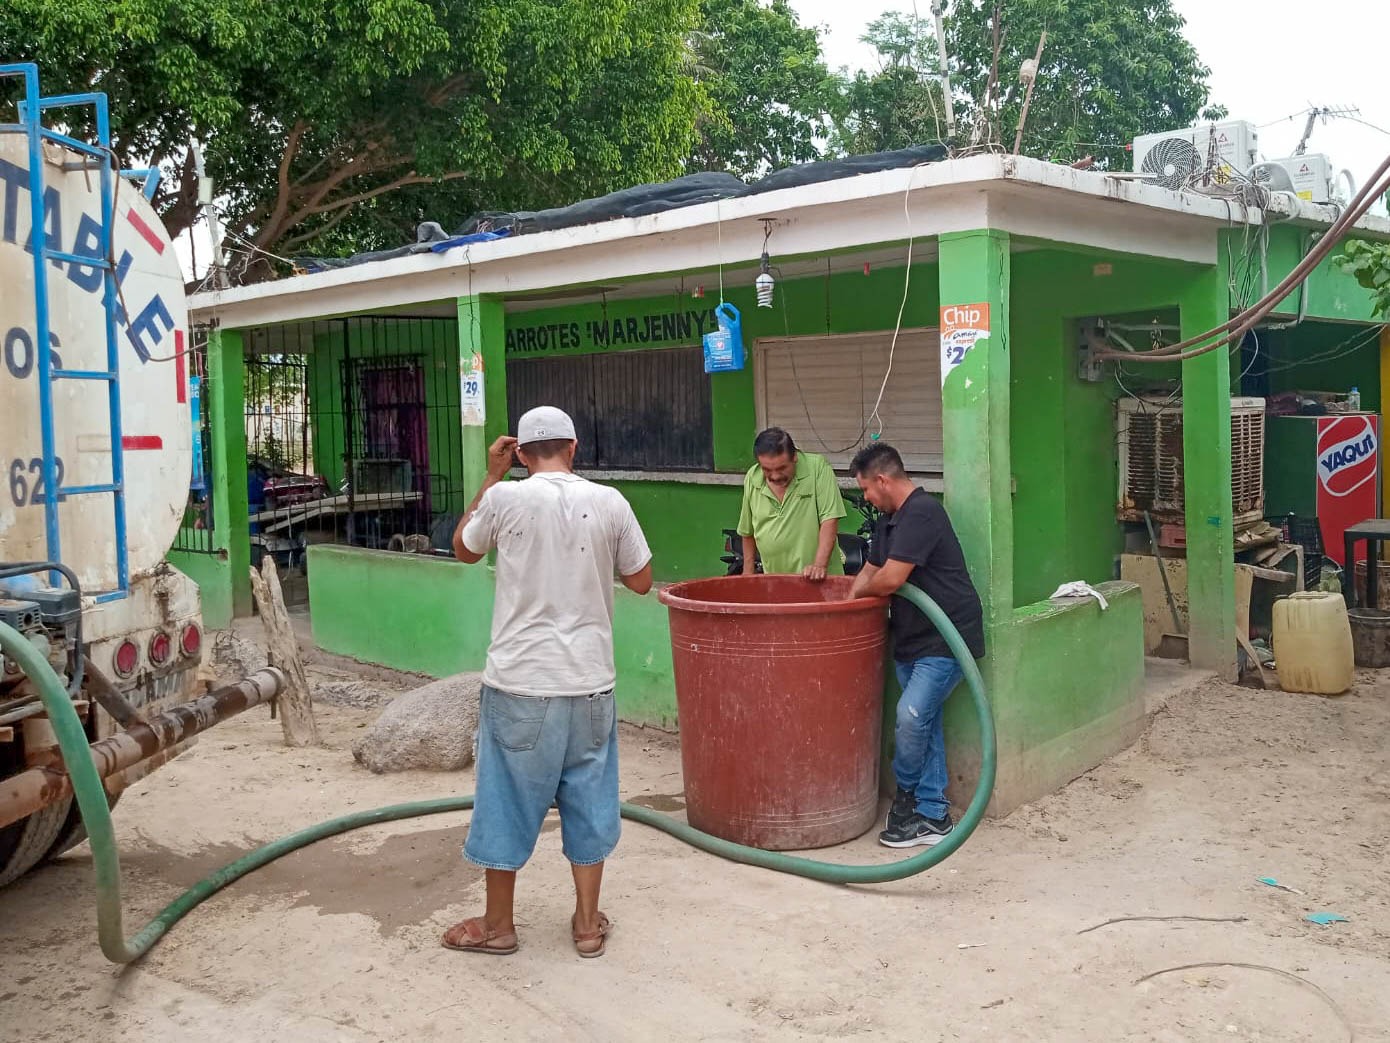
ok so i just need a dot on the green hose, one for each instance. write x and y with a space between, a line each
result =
96 815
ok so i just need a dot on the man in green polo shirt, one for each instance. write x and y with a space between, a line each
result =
791 510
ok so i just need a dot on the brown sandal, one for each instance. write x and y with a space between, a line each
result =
591 944
472 935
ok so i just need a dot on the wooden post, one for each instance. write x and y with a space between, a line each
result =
297 711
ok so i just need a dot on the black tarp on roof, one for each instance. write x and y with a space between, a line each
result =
642 200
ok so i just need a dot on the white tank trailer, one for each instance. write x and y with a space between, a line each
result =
129 645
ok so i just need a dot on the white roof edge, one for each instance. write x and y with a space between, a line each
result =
1026 177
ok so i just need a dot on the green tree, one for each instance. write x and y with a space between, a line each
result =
1369 263
350 118
768 89
900 103
1111 69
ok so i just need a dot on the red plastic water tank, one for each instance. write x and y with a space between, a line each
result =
779 687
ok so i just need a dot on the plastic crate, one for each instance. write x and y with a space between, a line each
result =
1305 533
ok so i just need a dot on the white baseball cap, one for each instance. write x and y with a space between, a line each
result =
542 424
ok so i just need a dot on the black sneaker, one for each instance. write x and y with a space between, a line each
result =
904 804
917 831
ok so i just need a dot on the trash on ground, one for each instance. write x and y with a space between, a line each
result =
1275 883
1323 919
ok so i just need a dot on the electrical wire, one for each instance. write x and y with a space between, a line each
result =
1349 346
892 346
902 306
719 248
825 446
1253 357
1236 327
1367 123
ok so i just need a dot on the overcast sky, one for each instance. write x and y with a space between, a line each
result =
1266 61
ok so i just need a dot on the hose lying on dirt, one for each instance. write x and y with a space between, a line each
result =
91 801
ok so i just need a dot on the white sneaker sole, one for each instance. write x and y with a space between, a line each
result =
926 840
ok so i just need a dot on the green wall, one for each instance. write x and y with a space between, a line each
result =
434 616
683 524
1324 356
223 577
213 574
1332 292
1063 428
846 302
1066 684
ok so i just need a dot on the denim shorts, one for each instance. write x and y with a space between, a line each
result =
534 752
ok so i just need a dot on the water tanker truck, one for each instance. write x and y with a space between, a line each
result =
96 453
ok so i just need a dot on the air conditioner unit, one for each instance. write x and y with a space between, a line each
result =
1309 176
1178 157
1149 439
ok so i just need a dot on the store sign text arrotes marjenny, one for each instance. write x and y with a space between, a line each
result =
668 327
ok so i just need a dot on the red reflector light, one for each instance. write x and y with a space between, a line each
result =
191 641
160 649
127 658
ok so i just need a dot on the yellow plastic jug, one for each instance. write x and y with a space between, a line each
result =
1312 643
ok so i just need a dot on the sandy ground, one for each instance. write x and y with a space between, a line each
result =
340 941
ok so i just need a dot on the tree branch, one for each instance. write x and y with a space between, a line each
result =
327 226
400 182
447 89
282 196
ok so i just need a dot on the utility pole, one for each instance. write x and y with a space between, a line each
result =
938 9
219 259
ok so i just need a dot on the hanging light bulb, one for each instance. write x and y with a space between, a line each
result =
764 283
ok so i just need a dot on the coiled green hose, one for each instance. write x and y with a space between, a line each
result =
91 801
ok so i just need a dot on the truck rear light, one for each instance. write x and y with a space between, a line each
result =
191 641
161 648
126 659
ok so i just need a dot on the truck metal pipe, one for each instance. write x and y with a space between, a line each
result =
46 781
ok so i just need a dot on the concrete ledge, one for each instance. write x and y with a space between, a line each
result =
434 616
1066 683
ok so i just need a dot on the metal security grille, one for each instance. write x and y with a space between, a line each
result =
353 435
277 412
196 534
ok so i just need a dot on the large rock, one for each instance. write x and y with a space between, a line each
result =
236 657
430 727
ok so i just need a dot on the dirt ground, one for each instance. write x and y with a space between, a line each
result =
1003 941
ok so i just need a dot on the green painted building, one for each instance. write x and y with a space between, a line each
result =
873 273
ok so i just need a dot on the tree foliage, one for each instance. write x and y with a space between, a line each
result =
1111 69
899 104
768 89
355 117
1369 263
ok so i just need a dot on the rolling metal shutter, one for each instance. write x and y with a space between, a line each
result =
822 390
646 410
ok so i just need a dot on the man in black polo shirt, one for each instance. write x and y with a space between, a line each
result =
914 543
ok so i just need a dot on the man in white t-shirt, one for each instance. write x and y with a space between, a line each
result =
547 729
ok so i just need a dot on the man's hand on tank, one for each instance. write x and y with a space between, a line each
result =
815 573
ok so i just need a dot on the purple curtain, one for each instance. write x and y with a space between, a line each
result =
395 424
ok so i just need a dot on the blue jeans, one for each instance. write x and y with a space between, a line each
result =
535 752
919 744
